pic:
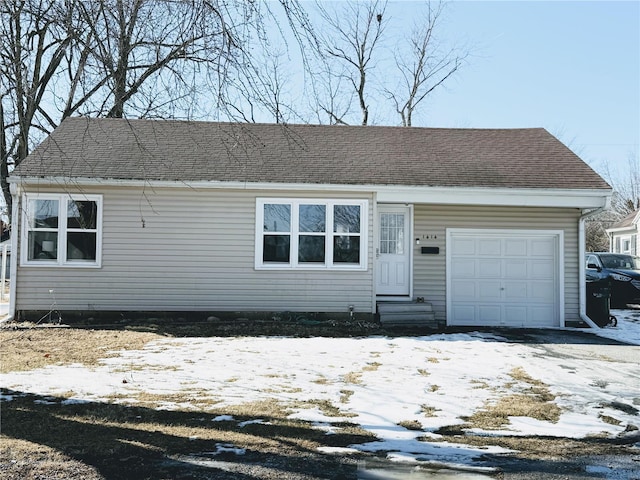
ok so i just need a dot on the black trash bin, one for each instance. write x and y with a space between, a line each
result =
598 298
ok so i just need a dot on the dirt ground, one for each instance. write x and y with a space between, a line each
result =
50 438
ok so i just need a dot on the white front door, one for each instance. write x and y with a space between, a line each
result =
393 251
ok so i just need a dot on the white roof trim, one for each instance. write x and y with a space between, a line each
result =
622 230
525 197
496 196
635 226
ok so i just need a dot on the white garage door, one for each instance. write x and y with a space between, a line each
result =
503 278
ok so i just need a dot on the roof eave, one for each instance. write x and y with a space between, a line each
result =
525 197
622 230
631 226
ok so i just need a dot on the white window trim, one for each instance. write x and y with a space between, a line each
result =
294 233
623 239
61 261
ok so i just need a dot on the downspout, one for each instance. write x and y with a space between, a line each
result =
15 233
582 266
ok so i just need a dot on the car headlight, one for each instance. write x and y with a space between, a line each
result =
620 278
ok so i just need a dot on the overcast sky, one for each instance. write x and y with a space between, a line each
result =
571 67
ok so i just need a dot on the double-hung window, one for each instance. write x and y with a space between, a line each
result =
61 229
311 234
625 245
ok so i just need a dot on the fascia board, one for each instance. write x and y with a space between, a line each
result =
499 196
531 197
622 230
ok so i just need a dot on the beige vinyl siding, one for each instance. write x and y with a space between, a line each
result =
177 249
432 221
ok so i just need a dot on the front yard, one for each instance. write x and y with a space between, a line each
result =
124 404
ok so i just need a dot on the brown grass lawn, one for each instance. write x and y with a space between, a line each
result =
27 349
42 438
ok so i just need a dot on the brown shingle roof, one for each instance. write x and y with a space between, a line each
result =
626 221
203 151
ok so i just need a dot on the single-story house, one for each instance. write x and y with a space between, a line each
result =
473 226
623 235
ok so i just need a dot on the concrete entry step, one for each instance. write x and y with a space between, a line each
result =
410 314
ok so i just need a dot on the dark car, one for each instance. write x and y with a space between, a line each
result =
622 270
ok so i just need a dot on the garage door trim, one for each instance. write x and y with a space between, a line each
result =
507 233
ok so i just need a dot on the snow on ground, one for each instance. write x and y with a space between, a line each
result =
627 330
377 382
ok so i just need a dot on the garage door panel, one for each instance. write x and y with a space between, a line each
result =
515 247
515 315
465 290
464 246
489 246
488 314
516 291
490 291
542 246
464 315
463 268
541 291
542 268
514 268
539 316
504 278
489 268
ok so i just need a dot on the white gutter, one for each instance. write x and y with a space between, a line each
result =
582 266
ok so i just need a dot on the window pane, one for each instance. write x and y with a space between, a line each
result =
312 218
43 245
311 248
277 218
276 248
82 214
81 246
346 219
44 214
346 249
392 233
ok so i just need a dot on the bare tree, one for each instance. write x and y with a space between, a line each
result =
354 35
336 100
425 67
34 38
114 53
626 186
263 81
259 88
119 58
596 237
625 200
143 58
357 61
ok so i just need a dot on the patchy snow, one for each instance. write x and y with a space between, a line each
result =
223 418
257 421
382 384
226 448
627 330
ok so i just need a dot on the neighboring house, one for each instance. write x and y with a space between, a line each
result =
623 236
486 226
